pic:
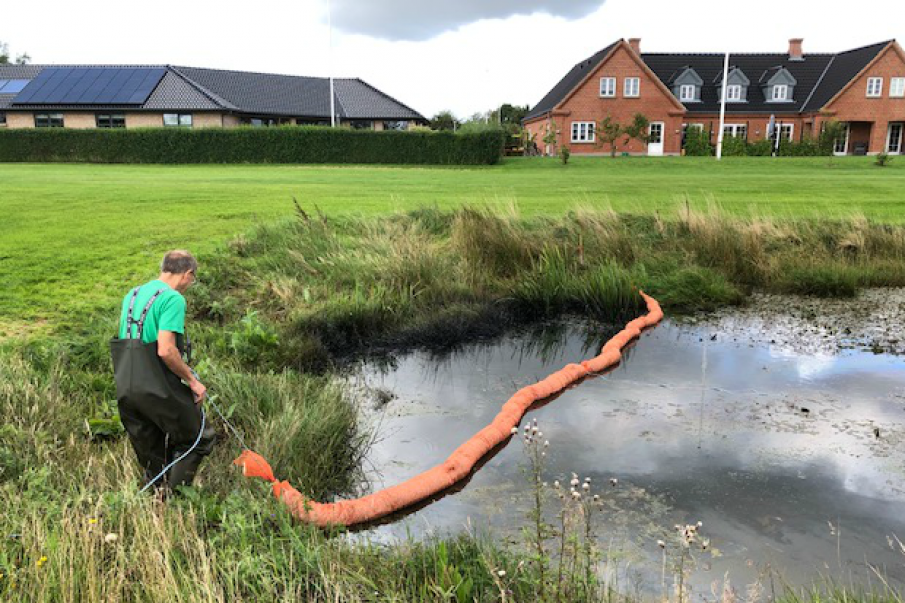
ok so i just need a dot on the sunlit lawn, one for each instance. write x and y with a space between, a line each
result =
73 237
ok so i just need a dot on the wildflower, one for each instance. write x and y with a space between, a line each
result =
546 443
661 544
501 573
41 561
576 494
596 498
613 481
586 486
556 485
543 454
111 538
514 430
92 521
705 543
544 484
575 481
540 434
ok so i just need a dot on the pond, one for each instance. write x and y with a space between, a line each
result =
781 427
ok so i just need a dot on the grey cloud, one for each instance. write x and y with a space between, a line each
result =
423 19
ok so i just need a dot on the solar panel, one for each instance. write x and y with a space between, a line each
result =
91 86
12 86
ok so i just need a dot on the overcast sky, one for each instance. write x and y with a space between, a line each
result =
464 55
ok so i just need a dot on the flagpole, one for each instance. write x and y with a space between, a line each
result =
330 63
719 139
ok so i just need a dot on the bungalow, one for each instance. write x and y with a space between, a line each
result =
863 88
121 96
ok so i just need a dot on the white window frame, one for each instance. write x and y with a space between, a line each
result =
734 129
896 87
889 128
791 130
684 90
650 131
583 132
843 140
698 127
733 93
629 90
874 87
775 95
608 90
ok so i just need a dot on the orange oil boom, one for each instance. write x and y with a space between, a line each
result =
462 461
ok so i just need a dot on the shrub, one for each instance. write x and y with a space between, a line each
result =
251 145
564 154
697 143
883 160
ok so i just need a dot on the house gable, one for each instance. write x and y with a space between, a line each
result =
852 98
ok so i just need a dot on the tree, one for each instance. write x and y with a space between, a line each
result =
22 59
609 131
444 120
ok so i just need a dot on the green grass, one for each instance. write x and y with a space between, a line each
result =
73 236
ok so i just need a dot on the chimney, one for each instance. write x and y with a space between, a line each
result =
795 53
635 43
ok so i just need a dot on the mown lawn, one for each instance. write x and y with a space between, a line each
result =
73 236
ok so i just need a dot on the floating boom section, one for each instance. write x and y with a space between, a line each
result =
461 462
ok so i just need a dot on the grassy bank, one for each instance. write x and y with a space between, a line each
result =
72 236
275 311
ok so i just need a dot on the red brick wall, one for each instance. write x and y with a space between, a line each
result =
587 105
855 106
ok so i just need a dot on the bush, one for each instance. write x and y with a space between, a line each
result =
697 143
883 160
564 154
290 144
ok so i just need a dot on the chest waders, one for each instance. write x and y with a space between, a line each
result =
157 410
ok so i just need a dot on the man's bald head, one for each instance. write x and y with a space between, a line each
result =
178 261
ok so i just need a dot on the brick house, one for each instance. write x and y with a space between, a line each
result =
83 96
863 88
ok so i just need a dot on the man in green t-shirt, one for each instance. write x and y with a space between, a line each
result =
159 396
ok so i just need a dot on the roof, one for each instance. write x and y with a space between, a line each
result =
819 77
200 89
568 82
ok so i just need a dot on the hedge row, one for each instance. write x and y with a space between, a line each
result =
250 145
698 143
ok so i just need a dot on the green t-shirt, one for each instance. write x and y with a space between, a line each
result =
166 314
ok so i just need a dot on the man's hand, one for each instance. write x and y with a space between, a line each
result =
198 390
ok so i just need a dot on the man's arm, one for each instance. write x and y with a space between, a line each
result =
169 353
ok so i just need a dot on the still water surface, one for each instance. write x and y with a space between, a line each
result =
794 461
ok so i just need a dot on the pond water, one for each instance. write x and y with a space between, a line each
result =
791 455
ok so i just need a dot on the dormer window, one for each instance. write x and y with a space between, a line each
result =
687 86
736 86
733 93
778 85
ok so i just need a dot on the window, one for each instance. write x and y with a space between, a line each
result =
110 120
48 120
897 87
780 92
583 131
632 87
840 145
785 131
874 87
687 92
2 118
655 133
361 124
312 122
177 120
733 93
607 86
396 125
894 138
698 127
736 130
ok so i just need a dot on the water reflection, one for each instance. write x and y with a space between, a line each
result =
789 459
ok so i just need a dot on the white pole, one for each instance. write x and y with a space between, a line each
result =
719 139
330 64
